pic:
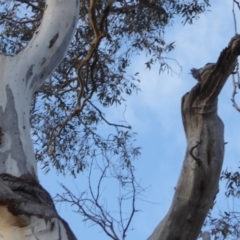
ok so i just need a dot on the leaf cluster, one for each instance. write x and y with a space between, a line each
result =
70 127
227 224
67 114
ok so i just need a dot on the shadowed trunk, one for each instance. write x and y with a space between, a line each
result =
198 182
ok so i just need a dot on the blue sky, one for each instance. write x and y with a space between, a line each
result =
155 115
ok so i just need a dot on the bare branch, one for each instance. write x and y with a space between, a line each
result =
92 17
235 85
234 17
153 6
133 198
105 120
31 5
237 2
93 210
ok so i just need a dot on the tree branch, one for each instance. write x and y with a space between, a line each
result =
198 185
31 5
105 120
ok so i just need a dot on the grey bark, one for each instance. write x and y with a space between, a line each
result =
198 182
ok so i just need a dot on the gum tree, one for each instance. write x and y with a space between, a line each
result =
26 209
65 127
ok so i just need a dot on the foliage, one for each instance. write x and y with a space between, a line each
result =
69 124
68 109
227 224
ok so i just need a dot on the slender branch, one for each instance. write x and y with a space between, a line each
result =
236 70
91 207
94 218
105 13
105 120
124 10
98 36
31 5
134 194
238 4
235 84
21 22
94 46
153 6
92 18
234 16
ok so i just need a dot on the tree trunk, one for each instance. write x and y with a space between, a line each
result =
198 182
26 209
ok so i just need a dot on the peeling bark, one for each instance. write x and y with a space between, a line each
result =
26 209
198 182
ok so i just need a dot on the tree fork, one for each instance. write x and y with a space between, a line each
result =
26 209
198 182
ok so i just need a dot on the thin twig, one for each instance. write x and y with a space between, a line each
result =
20 21
105 14
92 17
236 70
235 105
238 4
153 6
105 120
234 18
32 5
134 194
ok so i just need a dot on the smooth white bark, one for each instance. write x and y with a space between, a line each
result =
30 215
22 74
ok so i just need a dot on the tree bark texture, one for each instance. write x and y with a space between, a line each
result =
26 209
198 182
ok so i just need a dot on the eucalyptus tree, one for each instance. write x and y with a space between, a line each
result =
26 209
93 70
68 108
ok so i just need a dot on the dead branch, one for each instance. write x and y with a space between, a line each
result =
90 204
105 120
237 2
235 85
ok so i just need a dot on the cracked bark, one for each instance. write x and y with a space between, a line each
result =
198 181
